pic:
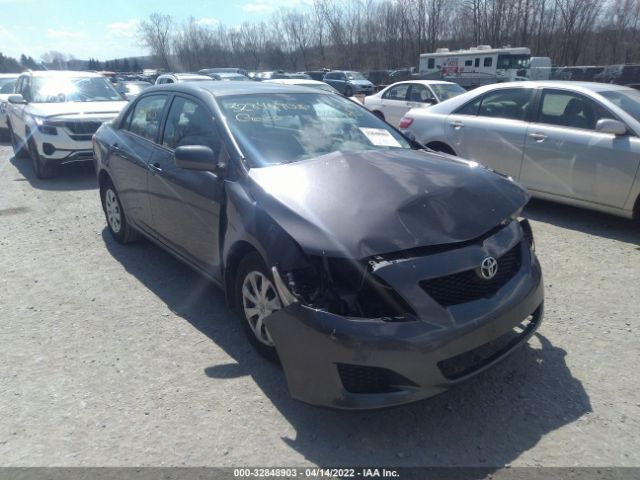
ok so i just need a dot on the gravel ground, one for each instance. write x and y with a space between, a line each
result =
122 356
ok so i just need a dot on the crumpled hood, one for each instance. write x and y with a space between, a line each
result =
357 205
67 109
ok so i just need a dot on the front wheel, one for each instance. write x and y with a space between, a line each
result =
41 167
348 92
119 228
256 298
18 148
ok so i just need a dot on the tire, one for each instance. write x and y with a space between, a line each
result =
114 214
18 149
41 168
378 114
249 278
348 91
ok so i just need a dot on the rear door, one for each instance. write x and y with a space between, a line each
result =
16 110
566 156
185 204
394 103
491 129
131 152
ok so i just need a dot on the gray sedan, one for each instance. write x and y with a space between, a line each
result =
572 142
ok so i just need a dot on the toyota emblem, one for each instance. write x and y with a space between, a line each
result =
488 268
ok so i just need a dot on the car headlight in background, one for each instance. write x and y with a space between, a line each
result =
45 126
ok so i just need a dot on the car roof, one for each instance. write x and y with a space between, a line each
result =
295 81
425 82
224 89
593 86
62 73
184 76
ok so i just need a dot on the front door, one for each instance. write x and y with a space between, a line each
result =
185 204
566 156
394 103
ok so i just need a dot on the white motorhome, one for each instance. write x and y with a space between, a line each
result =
476 66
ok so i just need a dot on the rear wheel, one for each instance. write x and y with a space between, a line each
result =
441 147
41 167
119 228
256 298
18 148
378 114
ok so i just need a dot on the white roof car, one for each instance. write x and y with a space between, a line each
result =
181 77
572 142
393 102
53 114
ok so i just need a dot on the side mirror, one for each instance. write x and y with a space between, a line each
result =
16 98
195 157
430 101
608 125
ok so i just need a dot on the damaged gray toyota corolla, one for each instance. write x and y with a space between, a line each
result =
377 273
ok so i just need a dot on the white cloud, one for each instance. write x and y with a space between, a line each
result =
264 6
208 21
64 34
123 29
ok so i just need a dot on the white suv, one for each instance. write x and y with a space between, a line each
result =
53 115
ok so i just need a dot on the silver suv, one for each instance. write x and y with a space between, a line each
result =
53 115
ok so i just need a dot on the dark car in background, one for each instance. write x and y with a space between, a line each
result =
208 71
368 300
349 83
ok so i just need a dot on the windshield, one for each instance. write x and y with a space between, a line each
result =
627 100
70 89
446 91
513 61
355 76
7 85
282 128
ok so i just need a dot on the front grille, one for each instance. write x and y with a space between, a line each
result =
468 362
82 128
363 379
468 286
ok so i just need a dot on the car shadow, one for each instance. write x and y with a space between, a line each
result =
488 421
67 177
583 220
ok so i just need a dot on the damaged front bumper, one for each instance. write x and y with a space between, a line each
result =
356 363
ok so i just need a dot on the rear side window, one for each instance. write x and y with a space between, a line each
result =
399 92
511 103
190 123
146 116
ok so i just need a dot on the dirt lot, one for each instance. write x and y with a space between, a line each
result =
121 356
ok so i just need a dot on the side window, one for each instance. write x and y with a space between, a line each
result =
190 123
510 103
19 85
146 116
570 109
470 108
342 76
477 63
488 61
399 92
420 93
468 63
329 76
431 63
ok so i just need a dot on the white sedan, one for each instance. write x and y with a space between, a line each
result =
7 85
393 102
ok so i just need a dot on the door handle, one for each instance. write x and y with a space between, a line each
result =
457 124
538 137
155 167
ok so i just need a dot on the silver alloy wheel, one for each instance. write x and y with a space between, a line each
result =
259 300
113 210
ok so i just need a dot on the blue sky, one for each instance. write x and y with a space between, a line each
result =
106 29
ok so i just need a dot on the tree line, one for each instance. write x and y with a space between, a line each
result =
376 34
